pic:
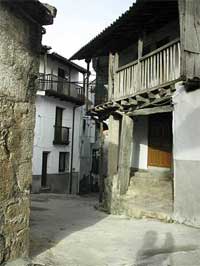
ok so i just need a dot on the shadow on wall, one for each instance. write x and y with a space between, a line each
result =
55 217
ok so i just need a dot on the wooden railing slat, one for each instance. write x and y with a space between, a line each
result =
159 67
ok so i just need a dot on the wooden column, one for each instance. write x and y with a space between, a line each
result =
88 82
189 13
140 51
111 76
113 147
125 153
116 80
101 176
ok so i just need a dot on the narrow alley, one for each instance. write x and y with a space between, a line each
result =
69 231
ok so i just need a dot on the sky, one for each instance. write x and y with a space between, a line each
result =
79 21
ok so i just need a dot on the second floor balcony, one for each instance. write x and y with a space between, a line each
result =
61 88
159 68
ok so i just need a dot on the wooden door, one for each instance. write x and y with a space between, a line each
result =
44 168
160 140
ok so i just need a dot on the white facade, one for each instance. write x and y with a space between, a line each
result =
44 133
46 105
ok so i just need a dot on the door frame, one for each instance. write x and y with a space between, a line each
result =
171 151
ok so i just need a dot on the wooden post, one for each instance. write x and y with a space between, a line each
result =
116 80
125 153
140 51
113 147
88 82
189 12
101 177
111 76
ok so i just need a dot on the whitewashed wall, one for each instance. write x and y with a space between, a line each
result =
44 134
52 68
140 143
186 133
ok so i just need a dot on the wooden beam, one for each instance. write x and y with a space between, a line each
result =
124 103
149 111
152 95
142 99
156 101
132 102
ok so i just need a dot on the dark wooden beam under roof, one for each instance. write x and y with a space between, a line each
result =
130 24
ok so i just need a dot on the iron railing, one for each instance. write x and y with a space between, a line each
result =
61 86
61 135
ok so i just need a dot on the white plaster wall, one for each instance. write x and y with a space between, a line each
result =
186 134
44 134
186 124
52 68
140 143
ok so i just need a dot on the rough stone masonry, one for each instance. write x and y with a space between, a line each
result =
20 45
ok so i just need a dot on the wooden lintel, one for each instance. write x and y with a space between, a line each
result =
149 111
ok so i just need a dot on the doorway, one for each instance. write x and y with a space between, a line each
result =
160 140
44 168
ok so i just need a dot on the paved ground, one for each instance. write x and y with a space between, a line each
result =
68 231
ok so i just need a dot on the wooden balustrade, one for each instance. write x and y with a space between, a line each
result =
152 70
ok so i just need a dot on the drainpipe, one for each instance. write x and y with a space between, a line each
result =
88 81
72 150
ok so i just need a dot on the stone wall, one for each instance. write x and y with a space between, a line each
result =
19 63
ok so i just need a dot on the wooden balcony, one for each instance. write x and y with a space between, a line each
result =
61 88
156 69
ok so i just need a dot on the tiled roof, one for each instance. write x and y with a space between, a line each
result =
126 29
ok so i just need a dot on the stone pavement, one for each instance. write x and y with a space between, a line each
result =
68 231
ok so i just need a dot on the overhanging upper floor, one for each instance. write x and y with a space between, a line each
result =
173 57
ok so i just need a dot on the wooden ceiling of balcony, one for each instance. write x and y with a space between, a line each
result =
145 15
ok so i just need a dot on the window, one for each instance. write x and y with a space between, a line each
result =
61 134
64 162
84 125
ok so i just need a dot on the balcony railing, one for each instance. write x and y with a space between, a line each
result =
61 135
152 70
61 86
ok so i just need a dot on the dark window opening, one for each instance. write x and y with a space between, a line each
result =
63 162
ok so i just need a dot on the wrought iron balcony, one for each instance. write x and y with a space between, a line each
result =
61 135
61 88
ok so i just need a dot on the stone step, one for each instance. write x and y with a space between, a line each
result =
143 174
149 182
151 173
